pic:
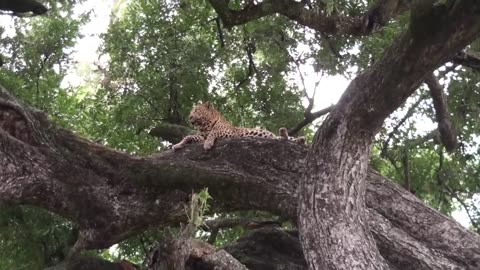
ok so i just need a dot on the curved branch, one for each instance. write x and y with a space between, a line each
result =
376 17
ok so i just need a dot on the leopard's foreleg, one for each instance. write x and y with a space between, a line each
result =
187 140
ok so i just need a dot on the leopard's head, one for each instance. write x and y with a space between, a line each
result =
204 116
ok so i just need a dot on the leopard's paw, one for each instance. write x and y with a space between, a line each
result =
177 146
301 140
207 146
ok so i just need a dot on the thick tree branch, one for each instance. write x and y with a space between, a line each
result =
256 252
23 6
448 135
376 17
254 249
111 195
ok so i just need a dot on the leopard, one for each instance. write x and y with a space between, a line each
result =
212 125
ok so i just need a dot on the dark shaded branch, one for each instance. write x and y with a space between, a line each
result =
309 118
23 6
256 252
467 59
448 135
214 226
250 50
255 249
220 32
376 17
80 262
180 252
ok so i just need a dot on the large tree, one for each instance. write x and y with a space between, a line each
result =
348 216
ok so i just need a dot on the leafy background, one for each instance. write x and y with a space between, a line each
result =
157 58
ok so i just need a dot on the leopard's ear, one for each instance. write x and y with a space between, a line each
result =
208 104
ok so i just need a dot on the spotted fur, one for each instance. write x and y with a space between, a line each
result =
212 126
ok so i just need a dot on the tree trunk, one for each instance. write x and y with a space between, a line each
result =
111 195
332 215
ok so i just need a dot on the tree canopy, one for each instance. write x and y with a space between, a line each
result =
158 58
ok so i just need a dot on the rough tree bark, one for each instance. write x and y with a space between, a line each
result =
111 195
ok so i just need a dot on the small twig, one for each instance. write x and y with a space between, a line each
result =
332 48
250 49
392 133
392 162
406 170
473 221
304 87
39 73
309 117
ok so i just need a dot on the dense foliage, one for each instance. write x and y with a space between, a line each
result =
158 58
